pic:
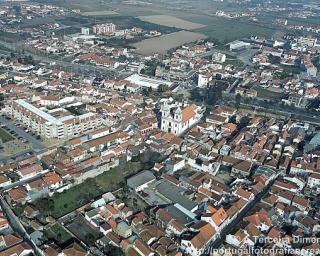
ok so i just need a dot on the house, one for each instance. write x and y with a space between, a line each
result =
37 189
279 209
241 168
260 219
300 202
197 244
105 228
175 227
29 171
285 196
18 195
21 249
123 229
4 223
30 212
53 180
74 249
240 239
217 119
314 180
110 238
243 194
217 218
9 240
4 181
305 222
142 248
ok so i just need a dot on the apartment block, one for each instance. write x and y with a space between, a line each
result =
58 123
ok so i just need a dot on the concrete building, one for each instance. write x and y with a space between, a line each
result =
307 41
204 78
147 82
238 45
219 57
141 180
85 31
177 118
52 124
101 29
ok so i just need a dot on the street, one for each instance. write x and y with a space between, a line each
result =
108 72
17 226
227 230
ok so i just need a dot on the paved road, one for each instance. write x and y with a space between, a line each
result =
36 144
108 72
227 230
23 182
17 226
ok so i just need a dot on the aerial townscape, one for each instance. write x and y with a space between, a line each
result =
159 128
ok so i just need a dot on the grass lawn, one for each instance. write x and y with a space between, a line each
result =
62 203
4 136
58 234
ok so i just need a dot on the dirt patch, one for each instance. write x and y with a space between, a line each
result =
166 42
171 21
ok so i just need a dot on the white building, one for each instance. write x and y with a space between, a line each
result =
219 57
238 45
147 82
85 31
204 78
306 41
106 28
47 125
177 118
314 180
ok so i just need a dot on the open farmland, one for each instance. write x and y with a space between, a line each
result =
171 21
99 13
166 42
226 30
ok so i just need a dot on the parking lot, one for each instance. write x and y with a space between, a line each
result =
22 140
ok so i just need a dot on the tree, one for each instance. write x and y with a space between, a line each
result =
111 250
238 101
243 122
146 91
274 59
90 239
39 89
17 9
163 88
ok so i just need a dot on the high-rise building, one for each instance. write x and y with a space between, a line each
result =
106 28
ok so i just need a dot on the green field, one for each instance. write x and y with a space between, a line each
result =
62 203
58 234
226 30
4 136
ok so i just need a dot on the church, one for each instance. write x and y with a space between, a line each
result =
177 117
